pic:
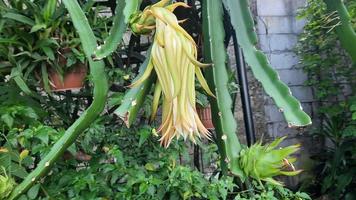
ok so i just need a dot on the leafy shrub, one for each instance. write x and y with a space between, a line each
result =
332 75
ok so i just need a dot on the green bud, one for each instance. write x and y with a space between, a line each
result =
141 23
264 162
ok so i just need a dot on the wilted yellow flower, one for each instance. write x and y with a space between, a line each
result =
174 59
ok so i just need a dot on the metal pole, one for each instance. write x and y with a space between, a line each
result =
245 96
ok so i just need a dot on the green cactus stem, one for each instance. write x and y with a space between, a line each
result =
345 31
217 76
100 93
123 11
243 24
135 97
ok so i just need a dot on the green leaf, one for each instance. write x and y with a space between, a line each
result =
143 188
18 170
49 53
118 155
150 167
354 116
38 27
144 135
49 9
343 181
19 18
17 76
33 192
353 107
48 42
9 41
303 195
45 79
349 131
43 135
8 120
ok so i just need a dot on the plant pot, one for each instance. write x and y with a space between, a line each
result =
80 156
205 116
72 80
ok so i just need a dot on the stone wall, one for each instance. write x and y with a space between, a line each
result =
278 30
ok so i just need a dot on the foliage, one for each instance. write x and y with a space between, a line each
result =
39 39
90 157
331 74
115 169
343 26
327 65
272 192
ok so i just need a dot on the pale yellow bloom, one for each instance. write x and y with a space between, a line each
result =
174 59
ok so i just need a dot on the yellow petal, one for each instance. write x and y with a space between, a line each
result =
172 7
172 45
161 3
170 19
203 82
155 102
144 76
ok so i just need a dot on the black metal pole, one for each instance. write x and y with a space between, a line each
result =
245 96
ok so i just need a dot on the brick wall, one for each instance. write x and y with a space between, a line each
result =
278 31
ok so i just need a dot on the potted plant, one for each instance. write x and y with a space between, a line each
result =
44 47
204 111
74 73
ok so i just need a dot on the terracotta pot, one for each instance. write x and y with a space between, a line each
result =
205 116
80 156
72 79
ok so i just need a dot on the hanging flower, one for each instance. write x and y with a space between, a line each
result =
174 59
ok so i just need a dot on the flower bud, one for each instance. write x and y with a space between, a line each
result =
141 23
264 162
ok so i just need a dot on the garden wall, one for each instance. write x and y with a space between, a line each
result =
278 31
